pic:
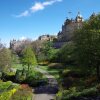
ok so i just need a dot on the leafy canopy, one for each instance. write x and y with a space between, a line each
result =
28 57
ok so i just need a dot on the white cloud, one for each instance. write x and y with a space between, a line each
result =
48 3
23 14
37 7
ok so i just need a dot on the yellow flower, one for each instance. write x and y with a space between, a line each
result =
13 91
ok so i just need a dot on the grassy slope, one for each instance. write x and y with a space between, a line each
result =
54 72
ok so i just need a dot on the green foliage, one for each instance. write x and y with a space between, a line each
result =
55 66
5 59
48 52
85 52
23 93
87 42
11 91
7 89
21 75
15 58
66 54
5 96
73 93
28 57
5 85
33 78
30 77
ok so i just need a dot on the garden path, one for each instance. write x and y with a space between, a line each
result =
49 91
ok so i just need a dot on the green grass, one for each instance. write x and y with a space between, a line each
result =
44 68
20 67
54 72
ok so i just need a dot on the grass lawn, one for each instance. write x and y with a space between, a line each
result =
54 72
17 66
20 67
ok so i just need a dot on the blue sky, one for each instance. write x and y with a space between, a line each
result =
32 18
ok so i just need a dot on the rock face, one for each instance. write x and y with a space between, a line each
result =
69 27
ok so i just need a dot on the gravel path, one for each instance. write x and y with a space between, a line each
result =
46 92
44 97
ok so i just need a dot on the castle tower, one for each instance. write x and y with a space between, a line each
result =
68 28
79 18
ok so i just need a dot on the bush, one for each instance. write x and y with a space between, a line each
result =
73 94
5 85
7 89
8 76
7 95
23 93
31 77
20 75
73 73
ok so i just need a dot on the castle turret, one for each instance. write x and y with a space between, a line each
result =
79 18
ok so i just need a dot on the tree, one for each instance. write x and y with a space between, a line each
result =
15 58
5 59
17 46
48 50
87 41
28 57
66 53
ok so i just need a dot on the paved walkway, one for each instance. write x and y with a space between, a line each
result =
46 92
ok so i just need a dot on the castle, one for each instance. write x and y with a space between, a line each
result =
65 35
47 37
68 28
70 25
17 44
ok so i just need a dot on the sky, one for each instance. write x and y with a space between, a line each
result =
21 19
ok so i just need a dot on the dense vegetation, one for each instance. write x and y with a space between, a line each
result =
13 69
81 79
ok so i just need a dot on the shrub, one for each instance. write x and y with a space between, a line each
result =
7 89
7 94
90 80
5 85
89 92
20 75
33 77
23 93
72 93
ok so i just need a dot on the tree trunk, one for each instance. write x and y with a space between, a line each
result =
98 72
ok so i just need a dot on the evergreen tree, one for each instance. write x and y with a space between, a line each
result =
28 57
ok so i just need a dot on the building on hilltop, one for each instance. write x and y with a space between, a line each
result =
69 26
19 44
47 37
